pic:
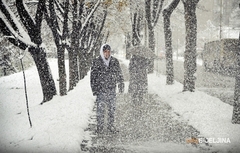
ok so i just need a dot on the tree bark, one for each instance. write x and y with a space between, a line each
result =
61 70
236 104
135 29
63 47
190 63
152 12
72 51
73 67
53 24
168 41
151 39
47 82
128 45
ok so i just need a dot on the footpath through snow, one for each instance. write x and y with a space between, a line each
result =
207 114
58 126
147 127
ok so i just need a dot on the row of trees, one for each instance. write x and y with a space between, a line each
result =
28 37
76 28
152 10
190 65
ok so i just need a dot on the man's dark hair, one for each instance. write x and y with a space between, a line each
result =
106 47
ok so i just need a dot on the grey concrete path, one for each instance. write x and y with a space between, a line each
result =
149 127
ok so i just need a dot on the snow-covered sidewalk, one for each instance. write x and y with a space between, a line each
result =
208 114
148 127
58 125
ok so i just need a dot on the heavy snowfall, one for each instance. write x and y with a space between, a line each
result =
191 102
58 126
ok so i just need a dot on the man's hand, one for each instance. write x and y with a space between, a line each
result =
121 87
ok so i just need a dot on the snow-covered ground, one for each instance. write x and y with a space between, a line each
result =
58 125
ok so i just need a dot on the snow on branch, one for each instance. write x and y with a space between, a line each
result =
90 14
26 8
25 40
59 7
17 37
22 32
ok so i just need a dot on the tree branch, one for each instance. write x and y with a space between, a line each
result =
171 7
39 15
26 20
158 13
14 23
90 14
13 37
5 10
148 15
65 22
52 21
155 8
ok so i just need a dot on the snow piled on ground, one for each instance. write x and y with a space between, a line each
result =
208 114
58 125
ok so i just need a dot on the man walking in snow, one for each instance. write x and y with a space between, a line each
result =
105 75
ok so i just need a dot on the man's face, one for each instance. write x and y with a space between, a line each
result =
106 54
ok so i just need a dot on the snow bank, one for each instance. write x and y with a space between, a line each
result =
208 114
57 125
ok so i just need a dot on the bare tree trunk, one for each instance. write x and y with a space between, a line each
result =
236 104
168 41
73 73
53 24
82 62
128 45
153 9
47 82
63 47
38 54
33 28
136 29
151 39
190 63
74 49
61 70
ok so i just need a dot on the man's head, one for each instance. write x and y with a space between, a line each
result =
106 51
